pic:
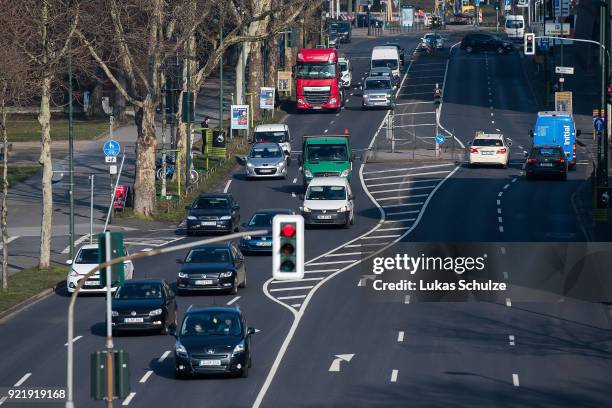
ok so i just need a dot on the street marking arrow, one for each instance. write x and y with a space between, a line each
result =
364 279
335 365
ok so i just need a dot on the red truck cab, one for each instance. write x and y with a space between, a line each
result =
317 80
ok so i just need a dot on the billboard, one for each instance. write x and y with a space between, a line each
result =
407 16
284 81
240 117
266 98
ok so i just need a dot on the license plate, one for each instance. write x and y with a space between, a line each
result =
264 244
546 164
92 283
204 282
265 171
208 223
133 320
487 153
317 107
324 217
209 363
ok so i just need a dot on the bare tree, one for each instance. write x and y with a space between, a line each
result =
42 31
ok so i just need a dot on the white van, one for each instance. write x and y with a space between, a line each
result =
386 56
515 27
328 200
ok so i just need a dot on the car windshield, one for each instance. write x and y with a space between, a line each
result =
377 84
327 152
343 66
379 72
258 152
211 324
514 24
139 291
87 256
551 153
389 63
208 255
487 142
270 137
211 202
315 70
326 193
261 220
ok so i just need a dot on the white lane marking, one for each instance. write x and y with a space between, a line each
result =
410 182
500 220
292 297
407 299
388 214
23 379
491 112
365 244
499 210
393 229
501 228
3 399
382 236
297 280
401 220
402 189
400 197
415 125
498 202
145 377
326 130
233 300
163 356
321 270
403 204
332 122
414 113
67 249
497 130
127 401
514 180
295 180
293 194
291 288
506 186
344 254
501 193
296 305
335 365
506 275
511 340
146 249
227 186
394 375
493 122
332 262
408 175
400 336
338 114
408 168
411 103
75 339
503 250
515 380
508 302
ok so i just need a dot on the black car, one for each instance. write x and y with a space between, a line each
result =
144 304
546 161
476 42
213 340
213 213
212 267
400 50
260 220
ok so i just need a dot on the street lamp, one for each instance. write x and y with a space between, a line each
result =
368 17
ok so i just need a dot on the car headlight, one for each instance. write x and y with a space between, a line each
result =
239 348
344 208
183 275
73 273
192 218
333 100
307 173
250 165
280 163
227 274
366 96
305 209
179 349
246 237
114 313
226 217
155 312
345 173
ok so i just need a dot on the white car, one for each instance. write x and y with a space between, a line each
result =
346 72
489 148
328 200
434 39
85 260
274 133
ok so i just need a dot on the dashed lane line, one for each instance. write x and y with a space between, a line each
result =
508 302
164 356
128 399
233 300
146 376
74 340
394 375
76 243
400 336
515 380
511 340
22 379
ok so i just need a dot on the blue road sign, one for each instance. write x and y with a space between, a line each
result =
544 44
440 139
111 148
599 124
477 3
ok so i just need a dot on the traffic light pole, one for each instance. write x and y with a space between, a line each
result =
109 324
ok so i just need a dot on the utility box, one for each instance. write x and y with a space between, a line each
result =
121 375
117 270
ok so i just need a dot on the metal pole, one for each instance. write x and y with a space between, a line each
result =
163 141
188 136
113 190
220 75
368 18
71 153
91 207
109 325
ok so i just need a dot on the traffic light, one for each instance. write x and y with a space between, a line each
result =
529 44
437 97
118 272
497 6
609 96
288 247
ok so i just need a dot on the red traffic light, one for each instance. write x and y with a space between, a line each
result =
288 230
287 249
530 38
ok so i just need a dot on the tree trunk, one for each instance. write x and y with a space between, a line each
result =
256 76
5 186
119 101
44 118
96 101
144 180
272 61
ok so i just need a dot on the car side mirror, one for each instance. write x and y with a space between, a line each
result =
578 132
251 330
179 261
241 160
236 208
351 197
69 262
531 133
526 154
509 142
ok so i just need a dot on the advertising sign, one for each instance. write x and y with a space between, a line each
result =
563 101
284 81
240 117
551 28
407 16
266 98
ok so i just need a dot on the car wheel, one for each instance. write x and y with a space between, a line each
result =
469 49
235 228
164 330
189 232
289 160
353 219
234 289
180 375
243 284
244 373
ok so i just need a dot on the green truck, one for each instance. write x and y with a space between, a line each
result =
326 155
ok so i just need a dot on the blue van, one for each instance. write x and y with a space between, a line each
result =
556 129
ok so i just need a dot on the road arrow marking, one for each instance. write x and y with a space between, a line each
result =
335 365
364 279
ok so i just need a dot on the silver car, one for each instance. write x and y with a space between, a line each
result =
266 160
378 93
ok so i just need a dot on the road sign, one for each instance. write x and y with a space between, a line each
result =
599 124
544 44
440 138
477 3
112 169
111 148
564 70
110 159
